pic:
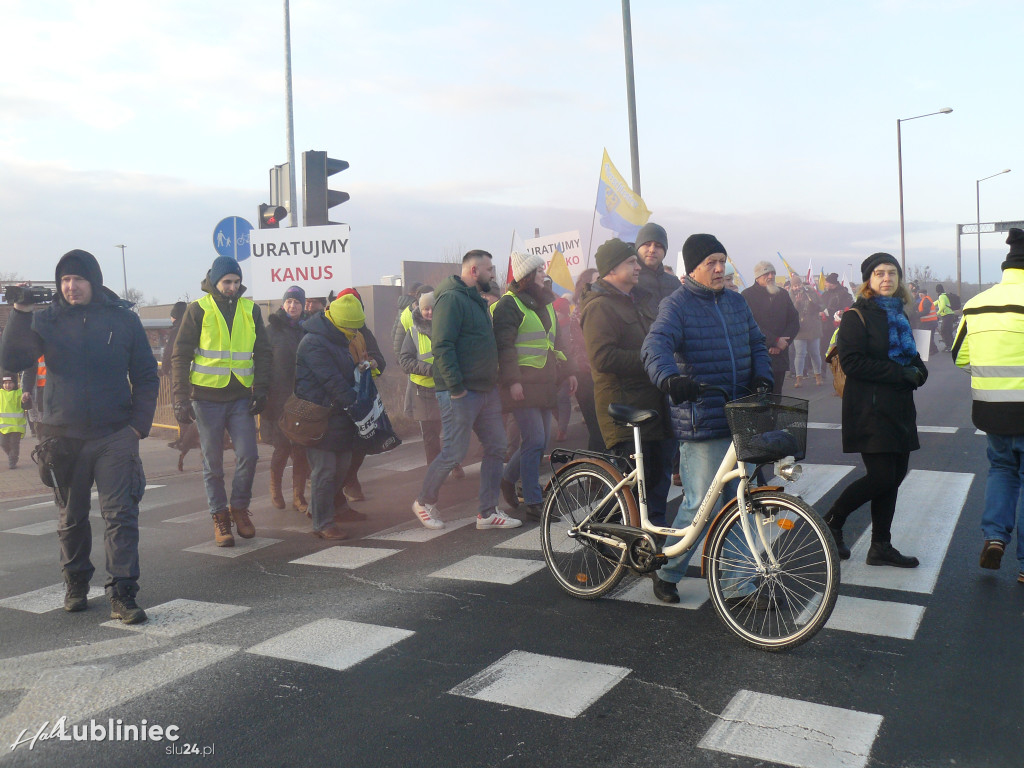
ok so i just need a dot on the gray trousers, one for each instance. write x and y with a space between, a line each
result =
113 464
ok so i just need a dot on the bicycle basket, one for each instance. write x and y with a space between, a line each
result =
768 427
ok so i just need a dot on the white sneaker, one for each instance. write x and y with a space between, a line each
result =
497 519
427 514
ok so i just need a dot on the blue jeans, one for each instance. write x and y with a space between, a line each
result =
534 429
805 347
213 419
698 463
1002 491
329 469
478 412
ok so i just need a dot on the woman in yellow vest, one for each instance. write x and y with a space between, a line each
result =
532 364
13 403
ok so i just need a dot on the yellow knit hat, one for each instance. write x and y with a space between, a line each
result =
346 312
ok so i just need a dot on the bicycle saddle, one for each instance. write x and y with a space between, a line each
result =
625 415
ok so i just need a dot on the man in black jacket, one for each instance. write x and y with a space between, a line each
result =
651 248
101 391
776 317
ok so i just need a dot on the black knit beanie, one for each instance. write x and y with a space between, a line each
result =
1015 258
699 247
612 253
868 265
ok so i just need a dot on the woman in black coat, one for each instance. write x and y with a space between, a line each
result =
883 368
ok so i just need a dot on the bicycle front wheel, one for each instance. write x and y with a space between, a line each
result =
787 603
582 567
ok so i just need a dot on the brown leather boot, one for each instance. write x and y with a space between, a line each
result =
243 523
817 379
300 475
222 530
796 385
275 489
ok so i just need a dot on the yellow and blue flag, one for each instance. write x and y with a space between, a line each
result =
622 211
561 278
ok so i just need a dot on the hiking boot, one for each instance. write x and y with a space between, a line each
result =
427 514
76 598
533 511
243 523
332 532
458 473
992 554
276 497
222 530
666 591
354 492
123 607
299 501
837 536
348 515
497 519
508 493
884 553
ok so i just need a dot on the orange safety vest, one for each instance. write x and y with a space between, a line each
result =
931 317
41 372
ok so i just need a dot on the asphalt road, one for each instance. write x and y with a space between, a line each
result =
458 649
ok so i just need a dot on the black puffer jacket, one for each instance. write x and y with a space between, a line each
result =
878 406
325 375
284 336
101 375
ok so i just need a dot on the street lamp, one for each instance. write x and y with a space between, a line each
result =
977 197
899 159
124 272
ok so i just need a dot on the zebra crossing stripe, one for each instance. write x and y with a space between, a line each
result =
927 509
876 617
331 643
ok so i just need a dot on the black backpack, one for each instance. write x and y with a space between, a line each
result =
954 301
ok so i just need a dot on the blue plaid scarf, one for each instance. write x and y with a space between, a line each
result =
902 348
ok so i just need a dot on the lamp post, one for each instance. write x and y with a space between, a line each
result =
124 272
977 198
899 160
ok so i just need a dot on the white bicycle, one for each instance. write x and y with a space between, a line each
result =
770 562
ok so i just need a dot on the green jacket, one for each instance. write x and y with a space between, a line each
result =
465 353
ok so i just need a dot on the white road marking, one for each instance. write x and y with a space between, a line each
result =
36 529
693 593
190 518
45 599
177 617
927 510
549 684
242 547
345 557
791 732
416 533
815 482
331 643
876 617
493 570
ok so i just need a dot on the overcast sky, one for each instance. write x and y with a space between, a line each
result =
771 125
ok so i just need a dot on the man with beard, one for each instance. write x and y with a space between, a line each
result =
466 385
776 317
651 247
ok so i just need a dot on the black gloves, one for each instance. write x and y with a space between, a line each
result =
682 389
257 404
912 376
183 412
761 385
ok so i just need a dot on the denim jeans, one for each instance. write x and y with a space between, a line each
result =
805 348
534 429
213 419
329 470
698 463
113 464
659 465
1003 506
478 412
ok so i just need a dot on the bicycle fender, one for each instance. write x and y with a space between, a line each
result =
727 508
634 511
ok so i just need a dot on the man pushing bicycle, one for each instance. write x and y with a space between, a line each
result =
706 335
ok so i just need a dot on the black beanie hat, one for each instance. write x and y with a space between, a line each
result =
224 265
1015 258
612 253
699 247
868 265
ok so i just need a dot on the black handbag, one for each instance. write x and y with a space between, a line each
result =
56 457
303 422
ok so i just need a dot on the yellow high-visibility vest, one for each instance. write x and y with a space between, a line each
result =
405 318
425 355
12 416
221 354
990 341
533 342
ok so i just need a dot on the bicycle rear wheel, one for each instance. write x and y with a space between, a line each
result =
582 567
787 605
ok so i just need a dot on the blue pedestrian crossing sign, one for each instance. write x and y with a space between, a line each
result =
231 238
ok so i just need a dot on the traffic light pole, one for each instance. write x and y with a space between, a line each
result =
292 207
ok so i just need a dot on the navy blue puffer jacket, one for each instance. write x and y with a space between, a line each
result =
325 375
710 336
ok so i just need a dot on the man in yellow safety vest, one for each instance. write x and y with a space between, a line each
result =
220 371
13 403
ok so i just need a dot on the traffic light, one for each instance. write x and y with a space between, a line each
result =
316 197
270 216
